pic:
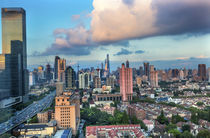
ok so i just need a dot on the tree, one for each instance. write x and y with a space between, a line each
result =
186 128
162 119
135 120
170 127
204 134
194 118
175 133
177 118
200 103
186 134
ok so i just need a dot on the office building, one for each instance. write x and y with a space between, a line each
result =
202 72
67 111
14 76
70 78
126 83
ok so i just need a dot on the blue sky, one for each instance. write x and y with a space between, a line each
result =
84 31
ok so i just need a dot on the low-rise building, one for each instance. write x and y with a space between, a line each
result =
67 133
108 109
36 129
114 131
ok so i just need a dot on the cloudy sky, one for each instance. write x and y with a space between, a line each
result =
167 33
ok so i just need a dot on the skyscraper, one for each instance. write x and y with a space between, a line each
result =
48 74
126 83
146 69
60 67
202 72
56 67
14 76
70 78
127 64
108 64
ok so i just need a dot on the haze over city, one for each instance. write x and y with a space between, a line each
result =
167 33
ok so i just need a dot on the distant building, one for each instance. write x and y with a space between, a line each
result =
154 78
108 97
114 131
181 74
175 73
84 80
48 73
70 78
110 81
146 69
97 82
67 111
141 71
61 70
126 83
208 74
56 67
138 81
59 88
202 72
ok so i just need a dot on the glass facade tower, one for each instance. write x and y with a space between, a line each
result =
13 60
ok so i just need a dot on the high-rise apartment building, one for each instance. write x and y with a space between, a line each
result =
126 83
202 72
67 111
97 82
154 78
84 80
14 77
70 78
110 81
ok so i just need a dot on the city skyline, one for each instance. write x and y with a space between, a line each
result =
73 21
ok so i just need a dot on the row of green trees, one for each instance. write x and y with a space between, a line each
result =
94 116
